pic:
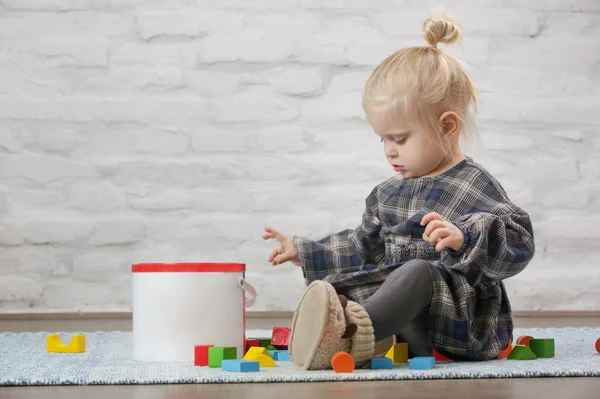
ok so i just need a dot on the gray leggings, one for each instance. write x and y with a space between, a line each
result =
400 307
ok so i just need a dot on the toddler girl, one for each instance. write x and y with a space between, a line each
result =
427 263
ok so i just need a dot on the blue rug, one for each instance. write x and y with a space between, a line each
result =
108 360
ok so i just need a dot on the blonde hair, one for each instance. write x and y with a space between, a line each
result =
423 82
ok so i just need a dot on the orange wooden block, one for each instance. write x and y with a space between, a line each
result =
598 345
524 340
343 362
506 351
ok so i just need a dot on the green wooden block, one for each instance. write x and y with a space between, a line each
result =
543 348
271 348
521 352
217 354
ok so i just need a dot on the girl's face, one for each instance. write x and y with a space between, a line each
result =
408 149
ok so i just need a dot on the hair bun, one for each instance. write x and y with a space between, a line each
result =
441 27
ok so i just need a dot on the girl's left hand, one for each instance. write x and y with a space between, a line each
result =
441 233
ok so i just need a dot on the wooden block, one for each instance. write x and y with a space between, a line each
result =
280 337
542 347
381 363
201 355
265 361
250 343
421 363
283 356
254 352
240 365
343 362
216 355
270 348
524 340
598 345
273 354
522 352
262 341
505 352
76 345
398 353
439 357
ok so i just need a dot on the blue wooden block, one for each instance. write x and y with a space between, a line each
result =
283 356
274 354
421 363
381 363
240 365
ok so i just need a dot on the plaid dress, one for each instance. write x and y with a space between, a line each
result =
469 315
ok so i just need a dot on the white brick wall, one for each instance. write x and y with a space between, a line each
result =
176 130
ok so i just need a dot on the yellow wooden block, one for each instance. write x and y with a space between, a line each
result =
256 351
398 353
54 344
265 361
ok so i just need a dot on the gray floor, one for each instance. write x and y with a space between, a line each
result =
575 388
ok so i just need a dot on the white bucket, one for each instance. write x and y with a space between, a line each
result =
177 306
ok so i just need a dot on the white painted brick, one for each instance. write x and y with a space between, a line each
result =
20 290
252 46
93 196
8 141
349 82
256 105
53 5
571 135
335 106
146 53
99 267
186 22
165 201
501 141
62 26
282 139
547 169
128 138
51 231
216 139
573 198
546 54
297 82
164 112
42 169
118 231
561 5
212 83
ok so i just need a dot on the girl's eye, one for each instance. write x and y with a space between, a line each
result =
401 141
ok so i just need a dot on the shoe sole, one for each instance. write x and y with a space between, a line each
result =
309 324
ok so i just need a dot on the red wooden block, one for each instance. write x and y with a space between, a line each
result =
201 355
598 345
524 340
250 343
280 336
439 357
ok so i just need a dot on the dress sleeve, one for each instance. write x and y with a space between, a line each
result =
498 244
346 250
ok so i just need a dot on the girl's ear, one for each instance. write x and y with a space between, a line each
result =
450 122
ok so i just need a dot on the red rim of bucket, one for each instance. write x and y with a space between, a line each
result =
187 267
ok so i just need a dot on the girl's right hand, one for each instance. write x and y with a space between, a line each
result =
286 252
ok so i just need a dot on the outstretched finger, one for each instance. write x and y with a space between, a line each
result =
272 233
